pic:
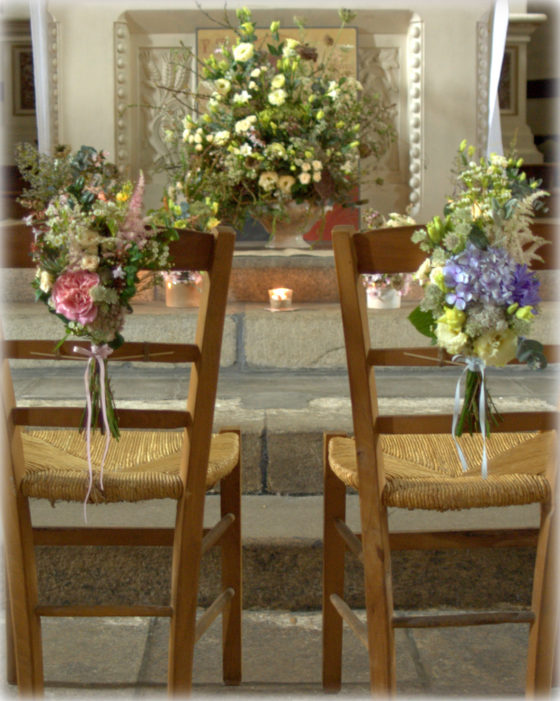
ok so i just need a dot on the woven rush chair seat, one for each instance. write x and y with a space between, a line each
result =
140 465
424 471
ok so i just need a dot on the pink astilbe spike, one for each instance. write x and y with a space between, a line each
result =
133 227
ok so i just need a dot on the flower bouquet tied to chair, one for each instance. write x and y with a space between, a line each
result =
480 294
277 131
91 240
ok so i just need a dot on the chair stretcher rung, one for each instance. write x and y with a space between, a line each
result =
102 611
212 612
215 533
448 620
347 615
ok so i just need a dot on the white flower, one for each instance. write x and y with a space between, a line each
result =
496 348
285 184
277 97
243 52
268 180
241 98
454 342
242 126
223 86
278 81
317 165
304 178
255 73
289 47
118 273
306 166
221 137
422 273
245 150
89 263
276 150
317 176
252 85
45 280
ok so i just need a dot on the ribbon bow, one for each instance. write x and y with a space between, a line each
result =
96 354
474 364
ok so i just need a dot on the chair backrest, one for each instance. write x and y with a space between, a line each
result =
391 250
210 254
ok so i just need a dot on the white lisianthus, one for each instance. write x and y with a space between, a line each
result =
45 280
289 47
242 126
496 348
422 274
245 150
241 98
277 97
278 81
223 86
276 149
285 184
255 73
221 137
268 180
252 85
243 52
304 178
454 342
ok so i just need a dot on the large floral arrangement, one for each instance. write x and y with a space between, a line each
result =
480 295
273 124
91 240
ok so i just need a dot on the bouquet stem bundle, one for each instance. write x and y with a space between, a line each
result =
470 416
102 401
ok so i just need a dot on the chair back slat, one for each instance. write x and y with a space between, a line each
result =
192 251
63 417
130 351
511 422
432 356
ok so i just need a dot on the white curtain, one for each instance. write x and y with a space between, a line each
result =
500 20
39 38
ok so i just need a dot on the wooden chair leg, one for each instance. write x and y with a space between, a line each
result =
184 597
230 502
24 622
11 673
543 635
334 506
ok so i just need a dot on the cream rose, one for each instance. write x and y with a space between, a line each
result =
496 348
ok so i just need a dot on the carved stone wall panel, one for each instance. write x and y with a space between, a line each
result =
54 104
415 84
160 78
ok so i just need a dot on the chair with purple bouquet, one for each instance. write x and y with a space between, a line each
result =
412 462
161 454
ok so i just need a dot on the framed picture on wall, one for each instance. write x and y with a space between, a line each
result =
23 86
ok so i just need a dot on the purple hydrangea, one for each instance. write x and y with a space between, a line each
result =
488 276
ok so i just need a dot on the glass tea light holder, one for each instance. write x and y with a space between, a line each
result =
280 299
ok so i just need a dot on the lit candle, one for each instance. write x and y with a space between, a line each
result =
280 298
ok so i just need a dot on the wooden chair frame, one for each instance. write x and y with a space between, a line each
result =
212 254
391 251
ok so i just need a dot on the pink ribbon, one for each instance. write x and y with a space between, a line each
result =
97 354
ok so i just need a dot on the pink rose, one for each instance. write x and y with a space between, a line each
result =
70 294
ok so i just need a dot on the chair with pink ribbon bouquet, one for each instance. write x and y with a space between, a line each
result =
479 299
89 243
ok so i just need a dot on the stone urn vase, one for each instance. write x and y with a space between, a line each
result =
387 298
288 231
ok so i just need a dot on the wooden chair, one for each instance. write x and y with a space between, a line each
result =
411 462
146 463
